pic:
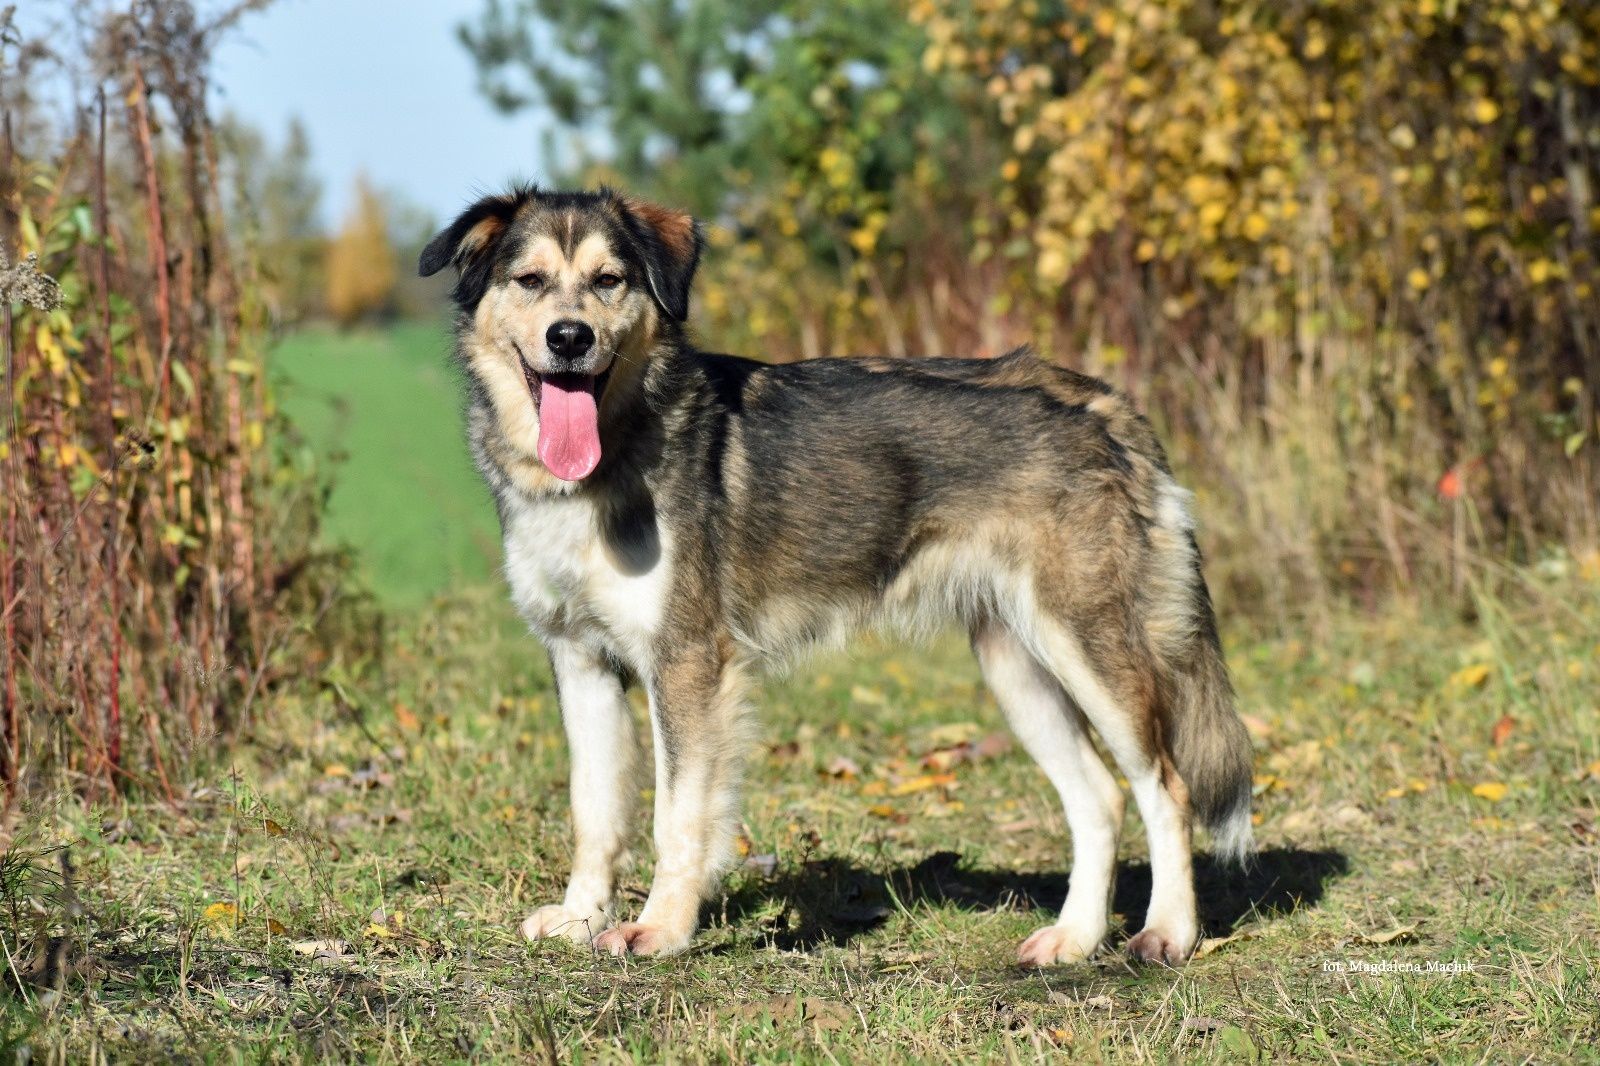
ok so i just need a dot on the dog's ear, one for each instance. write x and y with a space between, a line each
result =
467 241
671 242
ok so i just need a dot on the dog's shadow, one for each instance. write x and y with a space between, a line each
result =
831 901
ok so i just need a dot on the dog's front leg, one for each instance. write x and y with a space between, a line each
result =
697 712
603 750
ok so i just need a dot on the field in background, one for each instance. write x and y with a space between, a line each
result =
382 409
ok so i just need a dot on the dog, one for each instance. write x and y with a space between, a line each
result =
673 518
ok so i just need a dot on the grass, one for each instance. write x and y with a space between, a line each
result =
409 822
385 408
349 885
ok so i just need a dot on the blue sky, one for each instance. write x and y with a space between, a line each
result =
383 88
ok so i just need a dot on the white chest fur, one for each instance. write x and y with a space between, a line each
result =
569 579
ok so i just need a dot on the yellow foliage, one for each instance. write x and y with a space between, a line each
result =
361 268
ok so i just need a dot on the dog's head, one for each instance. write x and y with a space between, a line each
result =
563 297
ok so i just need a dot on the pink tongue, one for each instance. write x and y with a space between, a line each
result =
569 427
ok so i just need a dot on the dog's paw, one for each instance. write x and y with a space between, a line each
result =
1056 945
1157 945
558 920
636 938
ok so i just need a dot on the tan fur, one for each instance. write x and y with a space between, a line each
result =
674 228
479 236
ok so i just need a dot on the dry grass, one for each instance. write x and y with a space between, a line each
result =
412 819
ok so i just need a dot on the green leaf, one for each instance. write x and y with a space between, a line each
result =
185 382
1238 1044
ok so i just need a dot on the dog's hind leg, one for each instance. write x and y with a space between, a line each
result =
1054 732
1115 684
698 714
601 741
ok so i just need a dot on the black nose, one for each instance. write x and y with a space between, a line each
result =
569 339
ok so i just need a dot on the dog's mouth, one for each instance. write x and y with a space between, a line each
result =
569 419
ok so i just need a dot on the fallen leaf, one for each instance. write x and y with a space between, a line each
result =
1100 1002
1258 727
1493 791
952 733
1470 676
992 746
862 694
1502 729
1297 759
919 784
322 949
1017 825
875 788
884 810
945 758
1350 816
843 768
825 1014
221 918
1215 943
1238 1044
406 719
389 919
336 769
1389 936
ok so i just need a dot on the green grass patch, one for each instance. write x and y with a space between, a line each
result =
408 822
383 411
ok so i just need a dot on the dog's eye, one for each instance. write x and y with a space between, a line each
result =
533 280
607 280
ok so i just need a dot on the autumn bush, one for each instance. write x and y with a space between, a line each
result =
1345 252
157 574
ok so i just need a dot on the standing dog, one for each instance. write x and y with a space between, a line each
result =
672 516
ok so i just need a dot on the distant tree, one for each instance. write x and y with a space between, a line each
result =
411 226
291 193
361 261
276 195
653 87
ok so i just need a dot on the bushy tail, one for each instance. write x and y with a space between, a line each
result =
1211 748
1207 739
